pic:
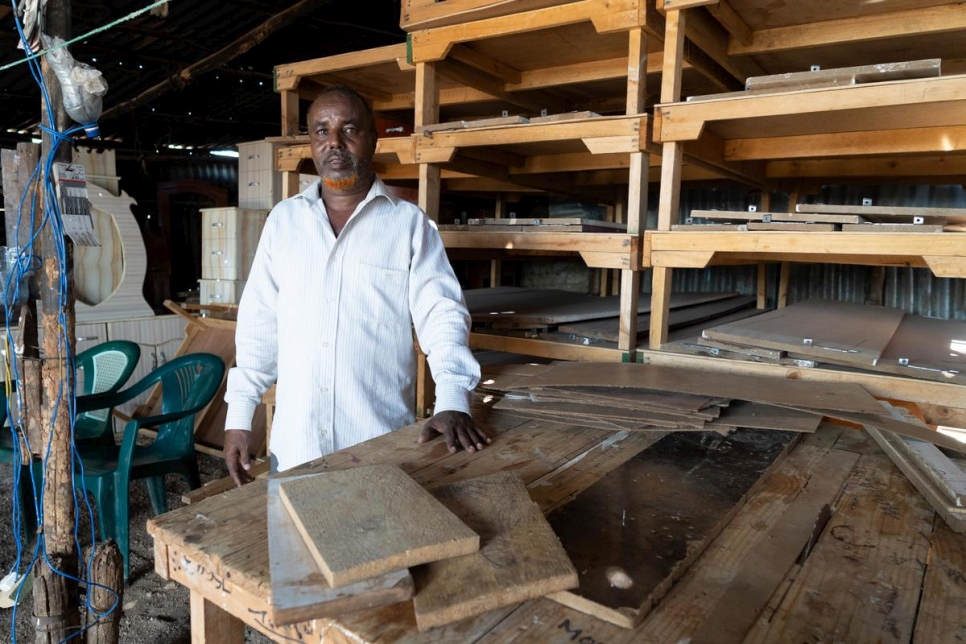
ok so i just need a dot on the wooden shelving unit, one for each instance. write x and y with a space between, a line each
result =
898 130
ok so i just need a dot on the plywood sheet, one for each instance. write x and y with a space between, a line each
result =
579 410
608 328
520 557
299 589
774 391
815 328
368 521
631 535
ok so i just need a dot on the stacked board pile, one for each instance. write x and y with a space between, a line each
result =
345 540
831 218
637 397
873 338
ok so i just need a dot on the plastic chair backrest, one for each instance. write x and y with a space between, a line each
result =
106 368
187 382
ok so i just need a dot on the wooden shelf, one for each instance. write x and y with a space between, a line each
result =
598 250
874 107
943 253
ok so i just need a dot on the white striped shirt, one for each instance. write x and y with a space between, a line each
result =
330 319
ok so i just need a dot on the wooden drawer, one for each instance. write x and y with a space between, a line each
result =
229 241
221 291
218 223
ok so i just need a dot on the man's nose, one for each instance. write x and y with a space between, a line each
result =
335 140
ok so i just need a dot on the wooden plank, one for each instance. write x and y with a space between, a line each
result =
300 591
520 557
817 328
895 449
669 526
211 624
367 521
761 352
774 391
929 68
751 588
462 125
941 613
580 410
862 579
566 116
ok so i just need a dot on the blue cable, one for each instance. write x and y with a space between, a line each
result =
52 216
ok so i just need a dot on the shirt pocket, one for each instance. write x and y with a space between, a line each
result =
383 293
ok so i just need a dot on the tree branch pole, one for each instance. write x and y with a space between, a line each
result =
210 63
55 596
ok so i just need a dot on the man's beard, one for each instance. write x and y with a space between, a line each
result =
347 177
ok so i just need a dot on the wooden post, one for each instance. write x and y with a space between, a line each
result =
107 572
427 113
671 161
636 189
212 625
496 267
764 205
55 595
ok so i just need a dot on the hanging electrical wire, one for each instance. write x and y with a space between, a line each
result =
82 90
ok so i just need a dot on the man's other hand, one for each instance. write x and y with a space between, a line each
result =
458 429
236 455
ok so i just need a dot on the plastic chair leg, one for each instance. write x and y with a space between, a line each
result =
104 499
157 493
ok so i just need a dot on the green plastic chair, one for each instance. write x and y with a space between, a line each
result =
25 498
104 368
188 384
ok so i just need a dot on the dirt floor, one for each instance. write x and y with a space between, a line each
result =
154 611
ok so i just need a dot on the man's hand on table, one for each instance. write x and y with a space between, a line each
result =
236 455
458 429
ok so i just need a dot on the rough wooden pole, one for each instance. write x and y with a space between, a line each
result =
107 570
55 596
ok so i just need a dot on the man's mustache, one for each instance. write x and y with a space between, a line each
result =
341 155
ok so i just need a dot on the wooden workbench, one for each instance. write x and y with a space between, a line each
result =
883 568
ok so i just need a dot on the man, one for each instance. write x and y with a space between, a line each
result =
342 273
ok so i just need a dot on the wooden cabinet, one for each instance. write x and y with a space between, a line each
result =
159 338
229 240
259 186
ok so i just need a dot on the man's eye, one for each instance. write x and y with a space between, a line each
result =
321 132
350 130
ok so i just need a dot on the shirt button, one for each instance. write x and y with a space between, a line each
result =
325 389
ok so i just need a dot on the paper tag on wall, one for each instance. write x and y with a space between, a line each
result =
75 207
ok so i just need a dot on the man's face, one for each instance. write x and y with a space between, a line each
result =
342 143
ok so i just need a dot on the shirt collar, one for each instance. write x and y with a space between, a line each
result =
378 189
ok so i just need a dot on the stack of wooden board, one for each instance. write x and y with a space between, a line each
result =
343 540
874 338
830 218
637 397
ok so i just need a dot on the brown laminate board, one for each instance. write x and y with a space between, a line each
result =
368 521
632 534
551 221
644 397
791 226
763 389
924 348
541 307
609 328
839 76
757 416
299 589
878 213
760 352
605 404
541 228
808 218
854 333
520 557
892 228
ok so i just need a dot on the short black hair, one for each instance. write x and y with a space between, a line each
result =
353 94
